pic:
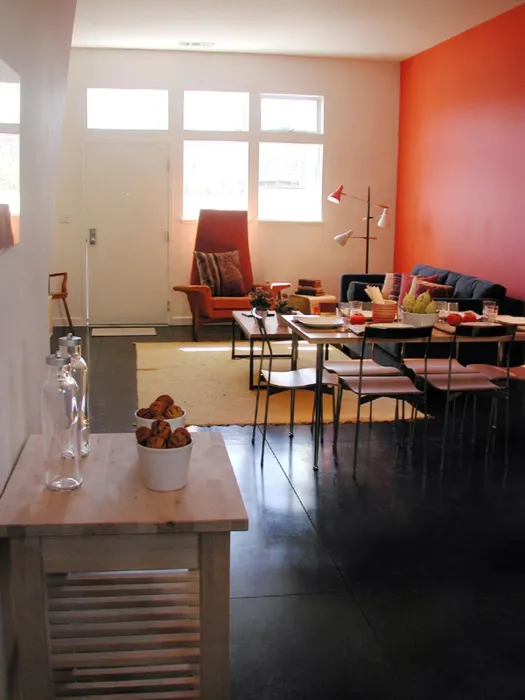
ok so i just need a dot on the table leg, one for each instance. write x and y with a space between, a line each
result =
215 615
318 399
30 619
233 339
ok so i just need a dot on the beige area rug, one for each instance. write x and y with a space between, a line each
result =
213 388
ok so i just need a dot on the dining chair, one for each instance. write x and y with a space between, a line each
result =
278 381
369 387
474 383
61 295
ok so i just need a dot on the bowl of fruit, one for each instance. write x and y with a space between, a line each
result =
419 311
164 456
163 408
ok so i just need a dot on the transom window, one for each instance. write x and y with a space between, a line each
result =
137 110
301 113
216 111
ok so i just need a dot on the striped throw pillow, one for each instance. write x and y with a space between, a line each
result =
221 273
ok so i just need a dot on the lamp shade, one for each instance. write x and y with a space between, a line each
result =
342 238
336 195
383 221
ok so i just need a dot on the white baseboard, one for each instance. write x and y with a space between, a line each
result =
181 321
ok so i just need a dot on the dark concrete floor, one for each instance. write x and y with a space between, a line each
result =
402 583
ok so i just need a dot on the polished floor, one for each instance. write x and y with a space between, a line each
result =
404 583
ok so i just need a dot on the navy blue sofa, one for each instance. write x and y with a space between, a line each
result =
469 293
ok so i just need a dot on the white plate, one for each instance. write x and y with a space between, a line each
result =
391 325
323 322
511 320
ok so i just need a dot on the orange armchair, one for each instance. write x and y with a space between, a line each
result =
219 232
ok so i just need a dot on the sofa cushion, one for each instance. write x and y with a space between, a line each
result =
356 291
430 271
483 289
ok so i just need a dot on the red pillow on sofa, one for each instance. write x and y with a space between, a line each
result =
436 291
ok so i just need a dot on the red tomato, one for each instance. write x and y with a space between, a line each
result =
469 316
454 319
357 319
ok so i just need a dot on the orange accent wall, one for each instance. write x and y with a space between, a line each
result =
461 172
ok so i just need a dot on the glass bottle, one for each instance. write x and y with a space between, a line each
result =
60 433
72 345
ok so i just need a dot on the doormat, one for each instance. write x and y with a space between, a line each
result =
121 331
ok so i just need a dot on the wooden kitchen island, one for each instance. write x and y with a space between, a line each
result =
113 590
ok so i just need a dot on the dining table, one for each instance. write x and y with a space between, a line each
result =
322 338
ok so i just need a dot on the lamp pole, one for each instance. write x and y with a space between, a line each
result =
367 230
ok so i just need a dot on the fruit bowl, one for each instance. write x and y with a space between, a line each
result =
418 320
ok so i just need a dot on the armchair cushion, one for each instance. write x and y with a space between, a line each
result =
221 273
231 303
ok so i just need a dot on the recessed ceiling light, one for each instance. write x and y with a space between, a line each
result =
196 44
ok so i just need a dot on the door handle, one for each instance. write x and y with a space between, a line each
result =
92 236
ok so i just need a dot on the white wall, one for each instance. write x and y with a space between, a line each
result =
360 149
35 39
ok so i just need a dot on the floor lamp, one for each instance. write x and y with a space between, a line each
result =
382 222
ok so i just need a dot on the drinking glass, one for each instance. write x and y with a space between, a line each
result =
355 305
490 311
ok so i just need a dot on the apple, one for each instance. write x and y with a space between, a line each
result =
454 319
469 316
357 319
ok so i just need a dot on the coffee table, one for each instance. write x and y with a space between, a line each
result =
276 329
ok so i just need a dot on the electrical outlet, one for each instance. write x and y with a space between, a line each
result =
65 219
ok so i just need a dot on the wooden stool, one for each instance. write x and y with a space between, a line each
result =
309 305
113 587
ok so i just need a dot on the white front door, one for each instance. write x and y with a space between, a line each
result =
126 205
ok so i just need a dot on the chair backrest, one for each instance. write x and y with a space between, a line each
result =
63 283
219 232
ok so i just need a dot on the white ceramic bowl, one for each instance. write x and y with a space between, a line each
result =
174 422
166 469
418 320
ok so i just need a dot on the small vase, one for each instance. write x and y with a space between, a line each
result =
263 313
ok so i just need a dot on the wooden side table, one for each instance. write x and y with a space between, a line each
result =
113 587
307 305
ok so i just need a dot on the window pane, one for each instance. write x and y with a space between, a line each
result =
290 182
10 171
216 111
9 103
292 113
215 176
127 109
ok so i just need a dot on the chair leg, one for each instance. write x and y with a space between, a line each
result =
337 418
196 326
445 429
292 413
66 308
265 424
256 410
356 436
507 425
